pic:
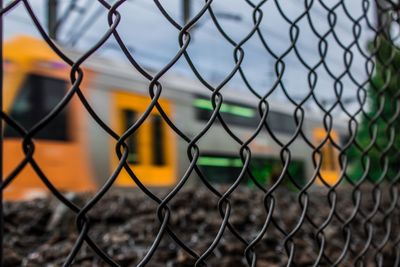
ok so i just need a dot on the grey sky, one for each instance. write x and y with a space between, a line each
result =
154 41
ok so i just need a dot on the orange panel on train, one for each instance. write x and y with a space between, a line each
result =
35 81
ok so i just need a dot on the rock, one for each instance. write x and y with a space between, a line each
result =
11 258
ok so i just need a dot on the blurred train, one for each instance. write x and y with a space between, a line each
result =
76 154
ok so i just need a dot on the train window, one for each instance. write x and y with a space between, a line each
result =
344 138
36 98
328 160
232 113
129 119
281 123
220 169
158 141
246 116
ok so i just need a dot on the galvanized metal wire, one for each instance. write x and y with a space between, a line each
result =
385 186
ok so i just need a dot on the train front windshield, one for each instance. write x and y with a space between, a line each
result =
36 98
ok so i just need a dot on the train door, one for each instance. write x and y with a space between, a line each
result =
330 169
35 81
152 148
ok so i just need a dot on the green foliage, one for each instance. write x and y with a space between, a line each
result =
377 136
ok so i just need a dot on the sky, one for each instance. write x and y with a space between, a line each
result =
154 41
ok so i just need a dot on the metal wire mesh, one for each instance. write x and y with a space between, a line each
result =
360 221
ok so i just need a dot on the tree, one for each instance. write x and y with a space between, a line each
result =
375 153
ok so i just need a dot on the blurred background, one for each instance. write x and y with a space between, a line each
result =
316 56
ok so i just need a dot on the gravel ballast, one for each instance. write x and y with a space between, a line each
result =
124 224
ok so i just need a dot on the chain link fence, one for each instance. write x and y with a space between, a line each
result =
344 211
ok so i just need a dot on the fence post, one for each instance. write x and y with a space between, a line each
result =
186 10
52 18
